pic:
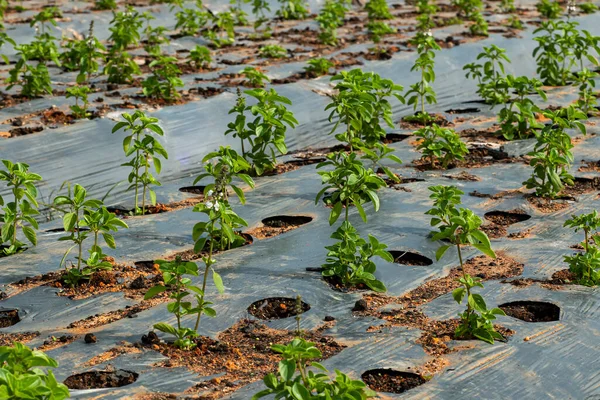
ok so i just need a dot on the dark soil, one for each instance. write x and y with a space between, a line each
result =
190 255
7 339
463 176
242 354
101 379
410 258
276 308
494 231
436 334
411 123
532 311
391 381
9 318
274 226
506 218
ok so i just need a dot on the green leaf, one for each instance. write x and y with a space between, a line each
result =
335 213
287 369
459 294
218 282
30 234
441 251
166 328
153 291
476 301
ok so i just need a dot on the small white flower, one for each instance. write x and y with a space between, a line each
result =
428 33
210 193
209 204
216 206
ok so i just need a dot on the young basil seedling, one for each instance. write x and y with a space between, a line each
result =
146 151
461 227
21 212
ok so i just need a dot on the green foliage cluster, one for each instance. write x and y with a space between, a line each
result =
461 227
586 265
23 376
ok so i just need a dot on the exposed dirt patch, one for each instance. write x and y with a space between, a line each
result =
276 308
547 205
158 208
120 279
521 234
463 176
242 354
190 255
506 218
436 334
410 258
274 226
589 166
94 321
532 311
411 122
494 231
56 342
476 158
101 379
124 348
391 381
7 339
9 318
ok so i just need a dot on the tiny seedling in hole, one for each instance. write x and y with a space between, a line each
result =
22 210
461 227
146 150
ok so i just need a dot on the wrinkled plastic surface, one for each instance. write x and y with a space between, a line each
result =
560 361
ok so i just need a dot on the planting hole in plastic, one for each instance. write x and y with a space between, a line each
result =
506 218
101 379
59 230
9 318
283 221
391 381
275 308
410 258
395 137
193 189
532 311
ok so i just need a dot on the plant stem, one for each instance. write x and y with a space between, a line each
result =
205 278
79 240
137 169
145 184
16 221
462 269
